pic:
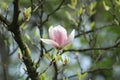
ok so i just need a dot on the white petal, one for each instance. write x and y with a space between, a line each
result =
70 38
50 42
59 26
50 29
51 35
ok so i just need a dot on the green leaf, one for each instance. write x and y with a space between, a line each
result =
70 18
4 5
59 57
53 56
6 42
92 25
27 36
107 8
24 26
81 76
73 4
47 56
93 12
92 8
117 2
68 15
27 13
43 76
80 11
65 79
35 31
93 5
116 21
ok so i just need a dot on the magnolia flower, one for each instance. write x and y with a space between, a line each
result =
58 37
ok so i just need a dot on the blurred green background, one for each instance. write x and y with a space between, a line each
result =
95 49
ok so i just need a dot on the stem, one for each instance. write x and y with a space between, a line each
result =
5 71
56 70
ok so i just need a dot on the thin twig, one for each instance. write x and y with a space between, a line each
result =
94 70
37 7
48 66
77 58
90 49
94 30
40 27
53 12
4 20
56 70
13 51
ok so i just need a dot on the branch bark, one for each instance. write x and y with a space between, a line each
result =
4 20
15 29
56 70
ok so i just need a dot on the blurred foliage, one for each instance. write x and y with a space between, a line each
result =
97 25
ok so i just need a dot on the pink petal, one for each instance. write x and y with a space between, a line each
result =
50 42
70 38
58 34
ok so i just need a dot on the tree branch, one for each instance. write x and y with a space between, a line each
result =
16 11
56 70
90 49
4 20
15 29
92 71
14 24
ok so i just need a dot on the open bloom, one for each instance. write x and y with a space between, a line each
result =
58 37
